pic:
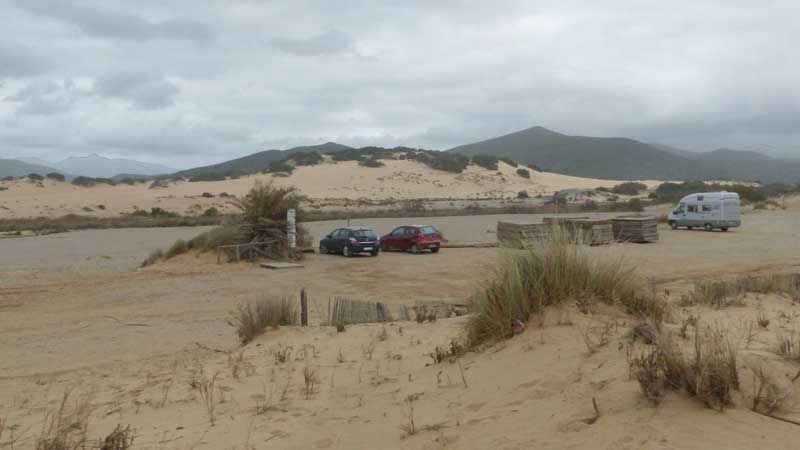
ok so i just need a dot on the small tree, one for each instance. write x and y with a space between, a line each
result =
524 173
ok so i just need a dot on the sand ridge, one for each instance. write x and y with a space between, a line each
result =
396 180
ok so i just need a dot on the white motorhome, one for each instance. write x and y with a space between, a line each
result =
710 210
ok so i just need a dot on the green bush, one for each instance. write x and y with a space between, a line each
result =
508 161
83 181
524 173
35 176
207 176
55 176
306 158
629 188
522 194
635 205
552 273
485 161
211 212
280 167
372 162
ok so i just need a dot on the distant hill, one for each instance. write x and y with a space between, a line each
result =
258 162
99 166
17 168
628 159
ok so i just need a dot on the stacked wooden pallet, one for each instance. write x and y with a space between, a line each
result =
635 229
592 231
585 230
522 235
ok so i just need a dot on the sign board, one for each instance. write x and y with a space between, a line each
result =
292 227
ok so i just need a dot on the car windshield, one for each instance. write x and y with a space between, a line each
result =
427 230
365 233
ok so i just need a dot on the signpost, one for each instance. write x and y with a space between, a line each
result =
292 225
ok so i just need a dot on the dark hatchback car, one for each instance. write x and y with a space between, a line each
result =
414 238
349 241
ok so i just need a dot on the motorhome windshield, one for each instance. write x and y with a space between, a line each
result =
679 210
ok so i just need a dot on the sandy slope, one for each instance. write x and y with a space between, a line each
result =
345 180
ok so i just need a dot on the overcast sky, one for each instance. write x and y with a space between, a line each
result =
189 82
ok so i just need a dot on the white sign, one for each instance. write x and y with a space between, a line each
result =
292 231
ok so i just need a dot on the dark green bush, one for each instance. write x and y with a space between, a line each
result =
35 176
372 162
306 158
56 176
524 173
83 181
280 167
485 161
629 188
508 161
207 176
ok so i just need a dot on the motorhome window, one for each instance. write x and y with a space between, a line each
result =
692 208
700 198
706 208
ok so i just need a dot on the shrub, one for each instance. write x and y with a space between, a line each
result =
508 161
522 194
83 181
207 195
35 177
252 319
306 158
222 235
635 205
589 205
371 162
447 161
629 188
55 176
280 167
211 212
534 167
264 211
710 374
485 161
66 427
178 248
154 212
207 176
552 273
153 258
524 173
128 180
729 292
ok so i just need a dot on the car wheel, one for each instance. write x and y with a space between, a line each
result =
724 229
322 249
374 252
708 227
435 250
673 225
346 251
690 228
415 249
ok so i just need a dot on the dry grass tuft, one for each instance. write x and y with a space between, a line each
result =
554 273
178 248
206 389
153 258
709 374
119 439
410 427
311 380
66 427
789 347
282 354
252 319
720 294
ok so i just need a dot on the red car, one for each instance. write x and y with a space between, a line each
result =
412 237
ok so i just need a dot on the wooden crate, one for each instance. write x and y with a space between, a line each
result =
635 229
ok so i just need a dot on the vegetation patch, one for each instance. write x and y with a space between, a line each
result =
486 161
252 319
629 188
553 273
55 176
524 173
708 373
726 293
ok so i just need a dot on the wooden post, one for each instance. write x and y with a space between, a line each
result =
303 308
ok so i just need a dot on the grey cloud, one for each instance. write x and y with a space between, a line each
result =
141 90
45 97
18 60
99 20
329 42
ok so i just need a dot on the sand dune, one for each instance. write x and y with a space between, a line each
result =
322 183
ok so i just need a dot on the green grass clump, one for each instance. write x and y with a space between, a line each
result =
553 273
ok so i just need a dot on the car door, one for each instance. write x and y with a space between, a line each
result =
409 236
330 240
393 241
